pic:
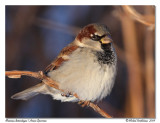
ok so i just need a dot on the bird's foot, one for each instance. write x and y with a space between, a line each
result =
69 94
84 103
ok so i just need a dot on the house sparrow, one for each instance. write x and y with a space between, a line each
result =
86 67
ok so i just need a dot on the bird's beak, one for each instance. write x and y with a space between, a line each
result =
106 40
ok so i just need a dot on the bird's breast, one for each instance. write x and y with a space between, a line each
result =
84 75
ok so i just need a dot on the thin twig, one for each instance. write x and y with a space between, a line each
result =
50 24
148 21
51 83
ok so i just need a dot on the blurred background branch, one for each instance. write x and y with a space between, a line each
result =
148 20
50 24
140 68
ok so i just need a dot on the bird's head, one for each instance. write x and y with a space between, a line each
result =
94 36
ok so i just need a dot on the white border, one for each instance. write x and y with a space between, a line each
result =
2 61
75 2
81 2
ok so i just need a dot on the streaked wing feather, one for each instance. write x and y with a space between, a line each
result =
59 60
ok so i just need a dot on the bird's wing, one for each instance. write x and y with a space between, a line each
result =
61 58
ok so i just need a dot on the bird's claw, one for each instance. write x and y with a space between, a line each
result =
84 103
67 94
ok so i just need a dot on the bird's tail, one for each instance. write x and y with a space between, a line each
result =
30 92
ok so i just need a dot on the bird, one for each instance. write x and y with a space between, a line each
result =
86 67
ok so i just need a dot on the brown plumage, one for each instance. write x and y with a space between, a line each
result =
59 60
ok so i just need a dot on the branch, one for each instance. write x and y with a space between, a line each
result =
50 24
51 83
146 20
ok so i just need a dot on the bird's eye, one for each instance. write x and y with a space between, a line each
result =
96 37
